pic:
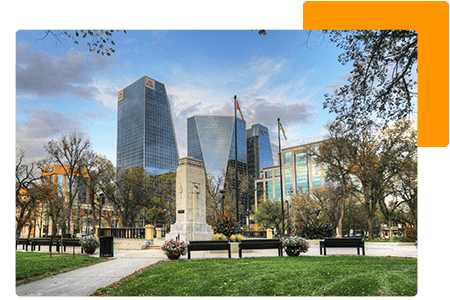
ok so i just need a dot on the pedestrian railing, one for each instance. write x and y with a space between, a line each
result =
123 233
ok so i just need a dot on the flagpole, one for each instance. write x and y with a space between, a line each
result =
236 160
281 178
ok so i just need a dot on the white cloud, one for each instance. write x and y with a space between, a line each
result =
261 99
43 126
38 73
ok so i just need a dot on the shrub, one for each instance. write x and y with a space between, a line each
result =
236 238
175 247
219 237
225 224
255 227
410 234
314 229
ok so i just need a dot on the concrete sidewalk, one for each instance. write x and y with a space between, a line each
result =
85 281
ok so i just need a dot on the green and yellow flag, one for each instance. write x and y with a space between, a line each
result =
282 129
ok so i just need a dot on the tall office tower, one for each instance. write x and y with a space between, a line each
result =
145 132
259 150
211 140
259 156
275 150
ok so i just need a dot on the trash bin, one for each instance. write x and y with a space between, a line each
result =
106 246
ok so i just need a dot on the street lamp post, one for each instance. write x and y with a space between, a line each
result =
164 225
288 225
281 178
236 158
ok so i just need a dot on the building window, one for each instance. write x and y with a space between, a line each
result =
301 169
288 182
288 158
269 189
277 189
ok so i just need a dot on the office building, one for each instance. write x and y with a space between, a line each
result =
145 132
259 156
211 139
300 174
259 150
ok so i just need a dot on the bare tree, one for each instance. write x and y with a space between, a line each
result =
26 179
67 152
100 41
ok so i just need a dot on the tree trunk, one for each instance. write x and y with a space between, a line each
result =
341 220
370 224
18 230
390 229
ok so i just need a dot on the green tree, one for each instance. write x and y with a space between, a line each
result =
144 196
268 214
335 154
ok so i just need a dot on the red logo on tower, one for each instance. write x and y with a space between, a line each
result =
150 83
120 95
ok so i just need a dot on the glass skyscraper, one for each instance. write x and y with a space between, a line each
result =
259 150
211 140
259 156
145 132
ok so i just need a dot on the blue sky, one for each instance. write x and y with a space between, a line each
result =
61 89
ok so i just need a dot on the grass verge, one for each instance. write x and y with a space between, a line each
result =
31 266
272 276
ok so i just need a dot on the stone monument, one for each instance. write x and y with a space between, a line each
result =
190 222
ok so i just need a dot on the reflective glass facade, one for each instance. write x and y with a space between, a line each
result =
145 132
301 169
211 140
288 182
259 150
301 173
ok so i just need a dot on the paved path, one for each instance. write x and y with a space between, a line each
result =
85 281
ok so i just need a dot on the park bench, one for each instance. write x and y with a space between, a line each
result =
208 245
260 244
42 242
349 242
68 242
24 242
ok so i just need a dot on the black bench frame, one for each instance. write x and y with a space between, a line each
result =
69 242
261 244
208 245
350 242
24 242
43 242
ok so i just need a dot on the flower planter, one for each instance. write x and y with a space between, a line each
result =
174 249
294 245
89 250
173 256
292 251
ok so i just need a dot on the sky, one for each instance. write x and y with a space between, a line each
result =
61 88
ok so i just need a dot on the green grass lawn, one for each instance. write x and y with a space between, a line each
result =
270 276
34 265
379 240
